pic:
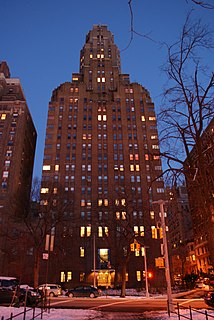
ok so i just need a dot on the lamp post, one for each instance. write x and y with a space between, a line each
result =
94 259
166 256
146 272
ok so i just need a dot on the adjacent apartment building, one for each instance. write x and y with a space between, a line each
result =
101 159
17 149
200 185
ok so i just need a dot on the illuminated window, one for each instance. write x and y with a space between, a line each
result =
3 116
152 118
155 146
105 202
99 117
137 167
123 215
44 190
100 231
152 215
102 56
62 276
69 275
98 79
46 167
91 56
154 232
82 252
117 215
55 191
121 167
136 230
146 157
104 117
123 202
136 156
106 231
156 157
103 79
82 231
143 251
143 118
154 137
131 157
88 231
56 167
138 275
131 167
142 231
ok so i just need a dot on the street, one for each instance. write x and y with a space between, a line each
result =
133 305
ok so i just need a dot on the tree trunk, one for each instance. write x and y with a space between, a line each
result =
123 288
36 268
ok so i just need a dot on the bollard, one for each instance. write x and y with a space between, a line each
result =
179 317
190 312
11 316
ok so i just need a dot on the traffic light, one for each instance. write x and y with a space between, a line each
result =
161 233
150 275
138 246
132 246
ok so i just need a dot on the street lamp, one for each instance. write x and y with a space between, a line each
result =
166 256
146 272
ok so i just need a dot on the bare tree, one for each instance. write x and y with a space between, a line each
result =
188 108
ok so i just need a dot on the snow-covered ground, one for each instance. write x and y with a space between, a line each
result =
77 314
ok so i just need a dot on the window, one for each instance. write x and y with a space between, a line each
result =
152 215
69 275
46 167
82 252
152 118
44 190
5 174
3 116
155 146
154 232
138 275
82 276
82 231
160 190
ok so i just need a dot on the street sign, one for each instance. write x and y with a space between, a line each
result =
45 256
159 262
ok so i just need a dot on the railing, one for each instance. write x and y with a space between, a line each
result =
178 308
44 308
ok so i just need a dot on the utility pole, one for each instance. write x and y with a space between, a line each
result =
146 275
166 256
94 259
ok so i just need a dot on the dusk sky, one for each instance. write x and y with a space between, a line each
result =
41 42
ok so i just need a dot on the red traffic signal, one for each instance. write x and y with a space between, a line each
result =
150 275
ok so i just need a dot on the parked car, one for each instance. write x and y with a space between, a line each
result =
51 289
9 291
19 296
83 291
32 296
8 282
209 298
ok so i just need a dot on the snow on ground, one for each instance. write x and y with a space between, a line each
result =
78 314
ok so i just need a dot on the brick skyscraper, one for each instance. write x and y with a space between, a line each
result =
101 155
17 149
